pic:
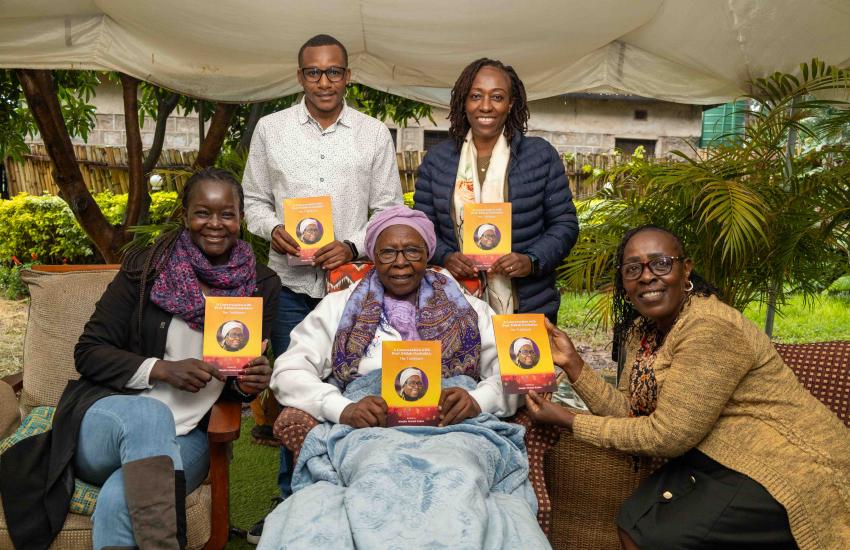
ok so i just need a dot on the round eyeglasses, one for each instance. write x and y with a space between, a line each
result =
659 266
410 253
314 74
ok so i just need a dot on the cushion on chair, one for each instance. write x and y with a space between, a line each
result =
60 306
39 421
824 369
347 274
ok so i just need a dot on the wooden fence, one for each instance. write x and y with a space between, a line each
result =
580 170
105 169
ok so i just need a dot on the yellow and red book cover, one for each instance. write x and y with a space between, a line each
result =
310 222
411 381
233 332
525 359
486 232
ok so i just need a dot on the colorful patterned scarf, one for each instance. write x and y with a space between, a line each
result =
443 314
643 387
177 289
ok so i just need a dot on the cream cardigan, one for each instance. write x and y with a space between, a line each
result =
724 389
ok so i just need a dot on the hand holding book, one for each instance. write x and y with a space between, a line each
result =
564 353
369 412
456 405
283 242
189 375
512 265
543 411
256 375
461 266
332 255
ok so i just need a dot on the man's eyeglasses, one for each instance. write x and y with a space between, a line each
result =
410 253
413 384
660 265
525 352
313 74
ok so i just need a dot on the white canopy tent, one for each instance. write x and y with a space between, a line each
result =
690 51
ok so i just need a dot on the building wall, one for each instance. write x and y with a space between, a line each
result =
584 123
576 123
181 131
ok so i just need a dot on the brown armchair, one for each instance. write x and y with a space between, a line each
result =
62 300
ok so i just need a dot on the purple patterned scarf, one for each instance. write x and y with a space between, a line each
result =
443 314
177 289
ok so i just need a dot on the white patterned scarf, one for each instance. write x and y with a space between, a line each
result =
468 188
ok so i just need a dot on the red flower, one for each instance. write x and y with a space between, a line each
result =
16 260
34 256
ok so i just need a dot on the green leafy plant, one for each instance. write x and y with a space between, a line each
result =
45 226
761 218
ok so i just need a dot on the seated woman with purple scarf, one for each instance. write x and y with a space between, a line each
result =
469 475
134 424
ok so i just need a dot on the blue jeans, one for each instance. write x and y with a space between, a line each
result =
120 429
292 308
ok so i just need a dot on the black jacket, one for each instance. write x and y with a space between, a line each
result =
544 221
37 474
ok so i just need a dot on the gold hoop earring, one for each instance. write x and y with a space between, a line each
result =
690 286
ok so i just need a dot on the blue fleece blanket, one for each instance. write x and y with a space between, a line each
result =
461 486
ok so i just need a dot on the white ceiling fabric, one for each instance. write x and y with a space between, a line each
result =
690 51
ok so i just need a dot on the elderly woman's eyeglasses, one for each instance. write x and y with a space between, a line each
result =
314 74
410 253
660 265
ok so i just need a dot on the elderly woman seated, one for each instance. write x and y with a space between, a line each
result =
358 484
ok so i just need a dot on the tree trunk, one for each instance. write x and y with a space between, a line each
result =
43 102
253 118
164 108
211 146
138 198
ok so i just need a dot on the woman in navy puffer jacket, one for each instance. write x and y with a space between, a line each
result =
489 160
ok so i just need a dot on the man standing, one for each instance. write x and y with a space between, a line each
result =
318 147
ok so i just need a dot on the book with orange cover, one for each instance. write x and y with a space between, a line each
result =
525 358
233 332
411 381
310 222
486 232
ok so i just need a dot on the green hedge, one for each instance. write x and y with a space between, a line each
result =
43 228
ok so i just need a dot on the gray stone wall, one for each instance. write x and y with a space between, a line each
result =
181 132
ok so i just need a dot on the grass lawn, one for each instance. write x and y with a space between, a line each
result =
253 482
825 319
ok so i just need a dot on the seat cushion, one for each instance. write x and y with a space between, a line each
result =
39 421
60 305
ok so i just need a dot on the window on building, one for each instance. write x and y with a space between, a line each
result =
722 122
433 137
641 114
628 146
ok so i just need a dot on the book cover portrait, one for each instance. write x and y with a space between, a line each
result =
233 329
525 358
411 382
486 232
310 221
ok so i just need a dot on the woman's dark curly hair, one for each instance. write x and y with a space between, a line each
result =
625 316
144 264
517 122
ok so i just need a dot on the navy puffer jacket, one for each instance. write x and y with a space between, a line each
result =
543 215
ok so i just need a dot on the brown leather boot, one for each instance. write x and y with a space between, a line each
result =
149 487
